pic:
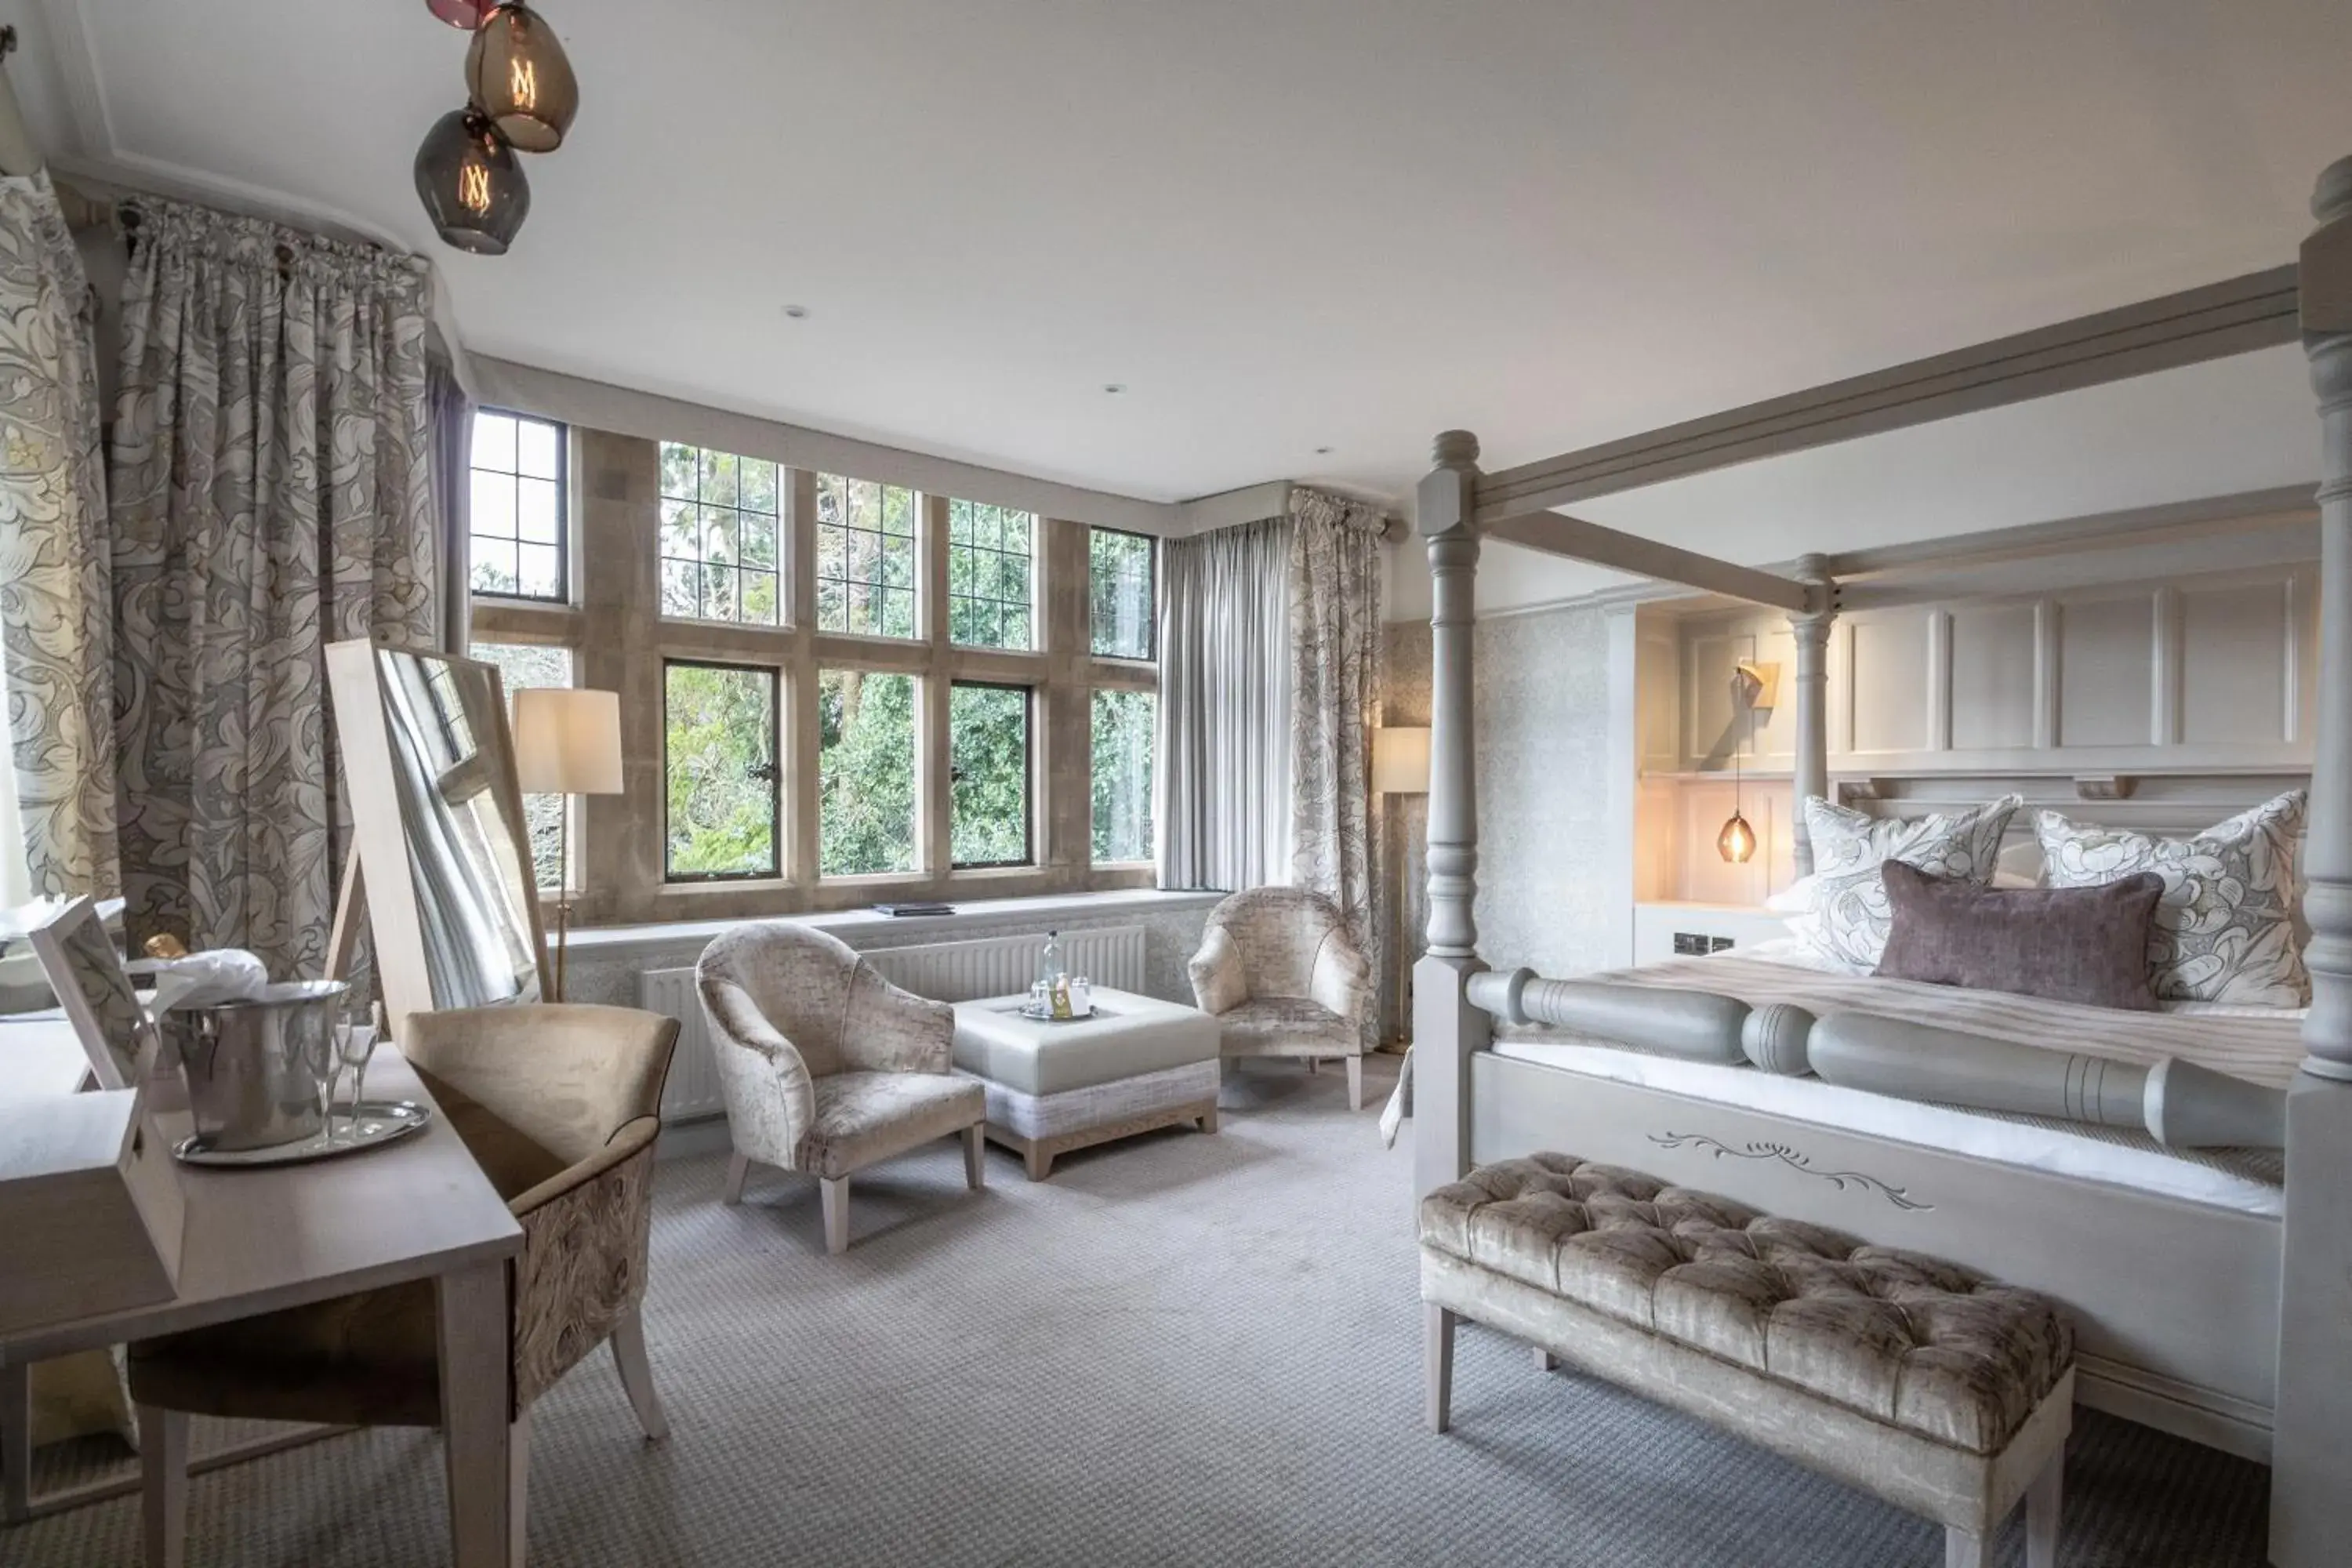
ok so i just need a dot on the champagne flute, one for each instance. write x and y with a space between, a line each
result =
354 1043
320 1057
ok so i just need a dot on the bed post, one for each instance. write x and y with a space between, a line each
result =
1446 1028
1811 629
2310 1475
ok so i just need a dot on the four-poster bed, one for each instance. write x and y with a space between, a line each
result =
2222 1316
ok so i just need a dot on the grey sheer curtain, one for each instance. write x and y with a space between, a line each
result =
56 607
271 493
452 454
1225 708
1335 659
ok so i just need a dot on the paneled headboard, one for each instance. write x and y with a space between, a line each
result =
2160 704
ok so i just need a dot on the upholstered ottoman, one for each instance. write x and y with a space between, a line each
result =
1915 1380
1138 1064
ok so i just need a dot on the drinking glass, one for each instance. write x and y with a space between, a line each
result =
354 1043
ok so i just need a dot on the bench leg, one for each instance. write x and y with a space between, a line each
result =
1546 1361
975 1162
1962 1549
1356 1083
1437 1363
2043 1502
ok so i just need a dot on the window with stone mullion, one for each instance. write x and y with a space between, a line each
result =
990 555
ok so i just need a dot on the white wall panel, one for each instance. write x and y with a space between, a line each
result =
1889 694
2234 652
1992 676
2106 669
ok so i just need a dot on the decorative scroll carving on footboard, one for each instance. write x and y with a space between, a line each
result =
1796 1162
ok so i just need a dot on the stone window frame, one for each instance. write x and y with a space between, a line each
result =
620 641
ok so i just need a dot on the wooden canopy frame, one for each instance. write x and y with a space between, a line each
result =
2309 1430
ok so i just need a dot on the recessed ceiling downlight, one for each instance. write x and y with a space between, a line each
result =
796 312
1113 387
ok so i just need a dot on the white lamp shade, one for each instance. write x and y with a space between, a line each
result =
567 741
1400 761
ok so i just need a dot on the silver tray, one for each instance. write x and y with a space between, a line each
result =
379 1122
1046 1016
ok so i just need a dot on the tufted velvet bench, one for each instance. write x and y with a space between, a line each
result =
1921 1383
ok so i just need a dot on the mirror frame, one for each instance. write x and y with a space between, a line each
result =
378 879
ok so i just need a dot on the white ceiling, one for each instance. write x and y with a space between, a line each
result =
1342 223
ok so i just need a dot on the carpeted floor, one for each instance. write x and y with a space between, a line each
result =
1184 1348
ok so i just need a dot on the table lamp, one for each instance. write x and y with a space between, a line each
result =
567 742
1400 760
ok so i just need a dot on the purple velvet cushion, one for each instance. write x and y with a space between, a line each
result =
2070 945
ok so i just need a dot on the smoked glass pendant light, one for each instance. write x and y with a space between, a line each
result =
518 78
471 185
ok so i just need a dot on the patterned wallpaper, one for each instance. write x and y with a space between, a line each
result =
1543 745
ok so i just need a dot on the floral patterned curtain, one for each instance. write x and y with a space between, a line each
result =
57 614
272 494
1334 651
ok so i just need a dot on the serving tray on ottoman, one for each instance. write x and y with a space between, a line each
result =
1136 1065
1920 1381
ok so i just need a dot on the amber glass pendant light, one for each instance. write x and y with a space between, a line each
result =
1737 842
471 185
518 76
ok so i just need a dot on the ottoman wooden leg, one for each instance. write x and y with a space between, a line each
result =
834 1194
1356 1083
737 1169
1437 1363
1962 1549
2043 1502
1209 1119
1041 1163
1546 1361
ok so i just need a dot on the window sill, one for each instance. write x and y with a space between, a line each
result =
972 917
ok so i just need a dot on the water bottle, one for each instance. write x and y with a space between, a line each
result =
1050 973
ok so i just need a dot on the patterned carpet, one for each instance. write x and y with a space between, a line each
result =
1180 1350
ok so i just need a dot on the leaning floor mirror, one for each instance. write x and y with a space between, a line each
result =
441 858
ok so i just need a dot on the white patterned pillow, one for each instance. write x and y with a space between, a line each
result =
2224 929
1850 916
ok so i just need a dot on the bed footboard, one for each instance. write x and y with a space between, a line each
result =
2175 1304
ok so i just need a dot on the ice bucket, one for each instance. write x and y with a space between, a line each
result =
255 1065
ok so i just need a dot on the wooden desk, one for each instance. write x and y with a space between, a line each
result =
40 1056
258 1240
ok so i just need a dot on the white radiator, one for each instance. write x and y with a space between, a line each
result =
1004 965
692 1088
944 970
